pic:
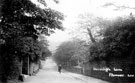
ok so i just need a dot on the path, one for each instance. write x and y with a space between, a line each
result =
49 74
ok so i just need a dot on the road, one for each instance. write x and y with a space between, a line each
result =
49 74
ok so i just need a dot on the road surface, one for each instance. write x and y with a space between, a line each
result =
49 74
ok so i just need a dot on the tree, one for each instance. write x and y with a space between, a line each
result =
118 38
116 47
91 27
71 53
64 53
21 22
43 44
29 18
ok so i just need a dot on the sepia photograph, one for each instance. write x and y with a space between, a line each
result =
67 41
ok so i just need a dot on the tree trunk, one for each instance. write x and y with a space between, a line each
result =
28 66
21 66
91 36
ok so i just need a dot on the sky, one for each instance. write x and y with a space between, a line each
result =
107 9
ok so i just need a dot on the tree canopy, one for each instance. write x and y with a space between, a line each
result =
21 24
21 19
26 19
71 53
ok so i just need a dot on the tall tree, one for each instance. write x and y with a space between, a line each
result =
71 53
21 20
23 15
91 26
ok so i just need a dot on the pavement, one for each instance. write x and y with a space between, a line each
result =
50 74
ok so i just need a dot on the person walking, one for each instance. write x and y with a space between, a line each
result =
59 68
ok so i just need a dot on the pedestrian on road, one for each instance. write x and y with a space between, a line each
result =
59 68
21 78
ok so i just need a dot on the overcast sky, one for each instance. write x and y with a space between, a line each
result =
72 8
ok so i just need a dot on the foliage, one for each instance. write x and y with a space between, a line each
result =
21 23
71 53
116 49
90 27
64 53
27 47
43 44
117 43
24 16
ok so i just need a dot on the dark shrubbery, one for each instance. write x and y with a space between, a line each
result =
21 24
117 48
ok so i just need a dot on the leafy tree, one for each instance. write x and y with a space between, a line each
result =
43 44
91 27
117 45
24 16
27 47
71 53
21 22
119 38
64 53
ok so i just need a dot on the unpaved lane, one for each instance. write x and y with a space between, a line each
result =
49 74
